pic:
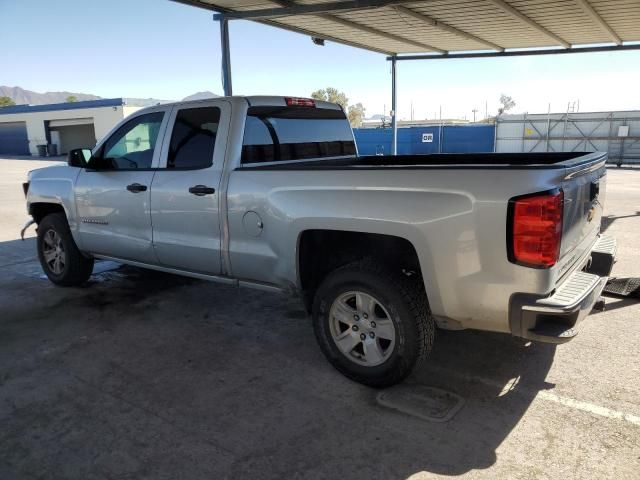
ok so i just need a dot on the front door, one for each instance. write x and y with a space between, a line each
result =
113 192
185 193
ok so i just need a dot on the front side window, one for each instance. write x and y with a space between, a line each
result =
193 138
132 145
275 134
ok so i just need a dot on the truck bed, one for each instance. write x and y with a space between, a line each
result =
453 207
443 160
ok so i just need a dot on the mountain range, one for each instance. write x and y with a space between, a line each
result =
201 96
28 97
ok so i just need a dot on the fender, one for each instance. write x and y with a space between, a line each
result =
55 185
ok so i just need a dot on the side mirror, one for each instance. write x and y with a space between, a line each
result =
78 157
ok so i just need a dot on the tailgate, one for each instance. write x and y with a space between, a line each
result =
584 190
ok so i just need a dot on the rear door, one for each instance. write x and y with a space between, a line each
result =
185 193
113 192
277 134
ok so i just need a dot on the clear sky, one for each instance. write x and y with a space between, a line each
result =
161 49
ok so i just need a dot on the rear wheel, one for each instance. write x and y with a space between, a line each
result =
371 323
59 256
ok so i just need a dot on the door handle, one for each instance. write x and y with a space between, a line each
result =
201 190
136 187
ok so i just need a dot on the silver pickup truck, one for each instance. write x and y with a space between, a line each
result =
269 192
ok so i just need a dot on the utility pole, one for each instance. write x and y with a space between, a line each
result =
475 110
548 124
394 108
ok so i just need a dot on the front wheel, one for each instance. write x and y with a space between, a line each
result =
372 324
59 256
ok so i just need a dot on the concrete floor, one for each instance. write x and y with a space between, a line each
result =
143 375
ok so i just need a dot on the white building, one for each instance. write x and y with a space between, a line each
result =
66 125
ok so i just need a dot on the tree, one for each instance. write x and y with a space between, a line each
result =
506 104
333 95
6 102
71 99
356 114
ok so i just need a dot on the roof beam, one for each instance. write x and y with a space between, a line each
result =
595 16
310 33
380 33
520 53
524 19
447 28
290 28
309 9
364 28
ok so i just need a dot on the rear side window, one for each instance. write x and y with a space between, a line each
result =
278 134
193 138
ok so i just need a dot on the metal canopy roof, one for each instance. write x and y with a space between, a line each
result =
440 29
443 27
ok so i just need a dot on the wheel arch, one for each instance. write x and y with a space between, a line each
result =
320 251
39 210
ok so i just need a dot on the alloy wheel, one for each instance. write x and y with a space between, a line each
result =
361 328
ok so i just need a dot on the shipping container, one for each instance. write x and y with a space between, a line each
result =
428 139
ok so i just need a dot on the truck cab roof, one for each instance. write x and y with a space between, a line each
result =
253 101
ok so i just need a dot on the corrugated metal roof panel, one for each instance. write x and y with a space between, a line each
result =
457 25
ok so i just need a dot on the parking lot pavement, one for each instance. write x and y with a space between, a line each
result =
145 375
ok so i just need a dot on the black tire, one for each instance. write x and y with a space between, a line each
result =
404 299
77 268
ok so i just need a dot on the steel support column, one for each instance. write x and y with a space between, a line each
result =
226 56
394 106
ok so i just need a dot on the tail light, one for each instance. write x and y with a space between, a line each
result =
535 229
299 102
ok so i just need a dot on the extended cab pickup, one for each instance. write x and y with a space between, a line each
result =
269 192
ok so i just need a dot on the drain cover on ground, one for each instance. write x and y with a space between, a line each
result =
624 287
428 403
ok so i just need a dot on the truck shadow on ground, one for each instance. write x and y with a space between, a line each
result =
499 377
236 376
